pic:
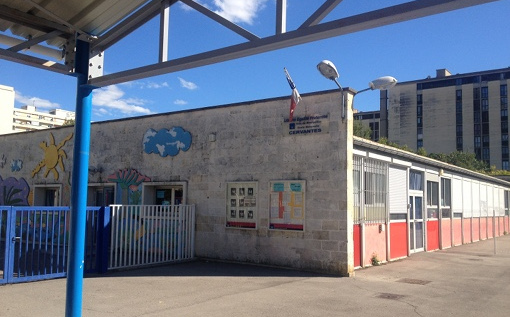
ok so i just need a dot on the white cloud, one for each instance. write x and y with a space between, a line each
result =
35 101
233 10
153 85
146 85
188 84
111 97
180 102
239 11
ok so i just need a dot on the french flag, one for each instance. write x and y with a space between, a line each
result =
295 98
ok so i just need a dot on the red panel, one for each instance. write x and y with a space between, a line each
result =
446 233
398 240
483 228
490 227
467 230
432 235
476 229
457 231
357 245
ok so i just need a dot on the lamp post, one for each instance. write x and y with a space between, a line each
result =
328 70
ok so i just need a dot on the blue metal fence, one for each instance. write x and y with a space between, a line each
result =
34 242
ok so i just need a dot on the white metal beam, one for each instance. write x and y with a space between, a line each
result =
164 23
281 16
320 13
364 21
221 20
128 25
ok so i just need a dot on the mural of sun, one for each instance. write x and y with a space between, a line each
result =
53 156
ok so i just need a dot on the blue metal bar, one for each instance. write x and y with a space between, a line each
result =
75 263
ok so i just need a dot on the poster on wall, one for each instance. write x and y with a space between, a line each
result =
287 205
242 205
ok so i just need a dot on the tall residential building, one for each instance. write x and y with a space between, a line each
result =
27 118
462 112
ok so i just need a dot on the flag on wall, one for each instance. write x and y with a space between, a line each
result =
295 98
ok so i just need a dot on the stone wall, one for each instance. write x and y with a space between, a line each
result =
246 142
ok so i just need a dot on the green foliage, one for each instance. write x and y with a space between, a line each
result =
361 130
462 159
69 122
375 260
457 158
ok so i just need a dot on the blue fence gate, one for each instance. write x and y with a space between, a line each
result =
34 242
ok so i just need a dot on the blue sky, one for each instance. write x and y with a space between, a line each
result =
466 40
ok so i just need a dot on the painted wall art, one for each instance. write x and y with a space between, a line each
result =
166 142
54 157
129 182
3 161
16 165
14 192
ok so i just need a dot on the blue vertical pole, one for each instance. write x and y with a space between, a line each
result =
76 263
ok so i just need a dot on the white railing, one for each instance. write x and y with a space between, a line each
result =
147 235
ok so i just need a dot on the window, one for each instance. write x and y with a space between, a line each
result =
485 105
171 193
375 178
506 202
101 195
446 197
432 199
503 90
415 180
478 143
47 195
485 92
485 140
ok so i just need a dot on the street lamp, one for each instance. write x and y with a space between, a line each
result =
328 70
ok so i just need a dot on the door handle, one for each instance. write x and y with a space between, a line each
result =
14 239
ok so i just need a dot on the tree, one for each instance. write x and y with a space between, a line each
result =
462 159
361 130
69 122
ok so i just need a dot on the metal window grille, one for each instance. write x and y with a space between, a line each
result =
370 191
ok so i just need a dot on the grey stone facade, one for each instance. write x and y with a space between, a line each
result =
247 142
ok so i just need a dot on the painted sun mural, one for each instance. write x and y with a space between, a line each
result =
53 157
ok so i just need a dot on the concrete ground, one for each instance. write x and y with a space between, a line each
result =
468 280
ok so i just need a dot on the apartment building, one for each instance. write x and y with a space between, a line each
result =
463 112
27 118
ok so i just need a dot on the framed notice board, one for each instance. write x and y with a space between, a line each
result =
287 205
242 205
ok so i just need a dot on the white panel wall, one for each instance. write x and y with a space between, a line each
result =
483 200
467 199
398 190
457 199
475 189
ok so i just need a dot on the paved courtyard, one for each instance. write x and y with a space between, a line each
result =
468 280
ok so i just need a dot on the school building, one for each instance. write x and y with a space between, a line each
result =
305 194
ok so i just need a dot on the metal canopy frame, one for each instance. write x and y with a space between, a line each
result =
64 33
81 30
